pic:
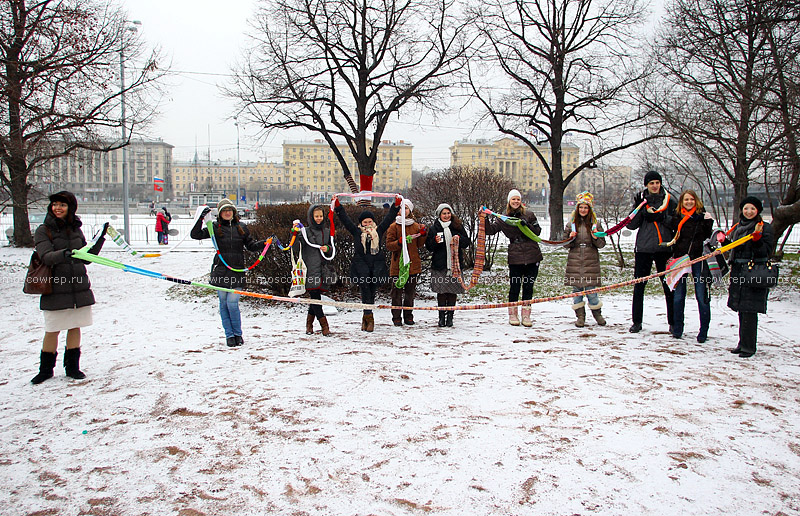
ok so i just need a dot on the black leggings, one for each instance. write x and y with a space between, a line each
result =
315 310
368 290
522 276
643 265
446 299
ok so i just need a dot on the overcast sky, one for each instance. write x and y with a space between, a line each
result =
203 39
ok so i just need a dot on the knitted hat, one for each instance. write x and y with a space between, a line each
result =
225 204
585 198
652 176
407 202
366 214
441 207
755 201
67 198
514 193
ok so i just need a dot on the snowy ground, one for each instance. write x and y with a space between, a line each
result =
483 418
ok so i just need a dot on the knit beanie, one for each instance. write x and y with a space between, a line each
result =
585 198
407 202
513 193
225 203
366 214
755 201
441 207
652 176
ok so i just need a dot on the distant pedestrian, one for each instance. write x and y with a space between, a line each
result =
163 218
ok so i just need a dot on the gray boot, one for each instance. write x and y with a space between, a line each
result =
598 316
580 314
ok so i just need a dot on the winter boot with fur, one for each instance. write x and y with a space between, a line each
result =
364 322
526 317
580 315
72 363
370 321
310 324
513 318
47 361
323 321
598 316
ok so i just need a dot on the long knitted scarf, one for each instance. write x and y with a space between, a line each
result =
480 255
624 222
687 214
523 227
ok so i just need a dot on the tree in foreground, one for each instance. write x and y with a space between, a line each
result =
60 59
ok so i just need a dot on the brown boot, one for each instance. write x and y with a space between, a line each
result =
364 322
309 324
323 321
370 319
580 315
598 316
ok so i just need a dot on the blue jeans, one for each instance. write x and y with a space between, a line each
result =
703 301
229 312
592 299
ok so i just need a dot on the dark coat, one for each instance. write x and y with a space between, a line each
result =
521 249
393 236
654 228
746 299
440 249
365 266
694 232
320 272
71 287
583 260
231 245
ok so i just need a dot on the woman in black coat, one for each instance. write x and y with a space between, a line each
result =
368 268
320 274
749 301
232 239
692 226
443 283
69 307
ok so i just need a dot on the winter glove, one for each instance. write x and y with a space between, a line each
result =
103 231
336 203
205 212
398 200
423 230
67 255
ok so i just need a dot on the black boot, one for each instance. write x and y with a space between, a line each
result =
47 361
442 318
448 318
72 363
231 342
239 340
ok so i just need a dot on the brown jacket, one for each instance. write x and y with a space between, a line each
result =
393 236
583 261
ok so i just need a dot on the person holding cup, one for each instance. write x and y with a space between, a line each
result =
446 286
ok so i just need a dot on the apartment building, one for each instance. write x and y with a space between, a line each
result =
516 161
98 175
313 170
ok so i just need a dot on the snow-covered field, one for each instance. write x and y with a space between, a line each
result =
483 418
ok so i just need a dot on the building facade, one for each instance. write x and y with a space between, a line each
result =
256 182
516 161
313 170
97 175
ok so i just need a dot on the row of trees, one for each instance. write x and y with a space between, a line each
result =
715 90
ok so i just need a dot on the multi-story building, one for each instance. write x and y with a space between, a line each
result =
313 170
516 161
98 175
257 182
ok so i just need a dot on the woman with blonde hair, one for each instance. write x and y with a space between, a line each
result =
583 262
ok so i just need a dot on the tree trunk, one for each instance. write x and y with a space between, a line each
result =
19 200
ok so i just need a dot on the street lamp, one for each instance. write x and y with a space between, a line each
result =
125 215
238 173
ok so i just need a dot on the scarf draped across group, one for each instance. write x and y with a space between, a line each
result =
525 229
687 214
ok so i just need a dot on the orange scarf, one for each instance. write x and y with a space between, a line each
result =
686 215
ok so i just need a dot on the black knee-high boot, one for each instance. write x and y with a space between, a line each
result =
47 362
72 363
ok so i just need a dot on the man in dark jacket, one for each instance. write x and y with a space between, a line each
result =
652 224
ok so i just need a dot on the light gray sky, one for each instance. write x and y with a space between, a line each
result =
203 39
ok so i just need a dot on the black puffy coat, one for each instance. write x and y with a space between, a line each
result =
440 250
71 286
320 272
521 249
366 267
653 228
694 232
232 238
747 299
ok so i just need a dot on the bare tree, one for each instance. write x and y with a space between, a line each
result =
342 68
714 57
569 63
57 93
465 189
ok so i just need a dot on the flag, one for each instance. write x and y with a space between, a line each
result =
157 180
158 188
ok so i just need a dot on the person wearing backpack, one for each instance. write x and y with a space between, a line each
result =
69 306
